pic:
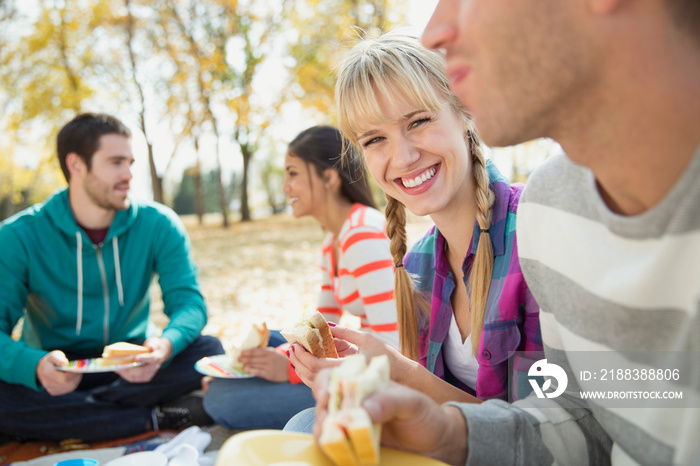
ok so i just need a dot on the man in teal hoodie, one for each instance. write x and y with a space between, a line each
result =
78 268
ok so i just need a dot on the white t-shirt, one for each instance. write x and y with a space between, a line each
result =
458 356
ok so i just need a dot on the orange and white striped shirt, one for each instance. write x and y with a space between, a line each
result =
364 285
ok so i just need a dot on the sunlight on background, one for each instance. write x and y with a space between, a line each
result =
420 12
417 16
515 162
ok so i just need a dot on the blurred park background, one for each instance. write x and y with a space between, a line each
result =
213 90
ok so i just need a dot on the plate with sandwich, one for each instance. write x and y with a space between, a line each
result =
115 357
314 334
227 366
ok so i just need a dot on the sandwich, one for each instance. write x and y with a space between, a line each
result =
348 436
122 353
257 337
313 333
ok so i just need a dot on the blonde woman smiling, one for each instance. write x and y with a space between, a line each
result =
468 307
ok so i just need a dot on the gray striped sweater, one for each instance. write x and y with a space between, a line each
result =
609 283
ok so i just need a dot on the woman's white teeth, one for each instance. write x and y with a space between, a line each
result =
420 179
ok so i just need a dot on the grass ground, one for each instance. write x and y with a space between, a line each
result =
266 269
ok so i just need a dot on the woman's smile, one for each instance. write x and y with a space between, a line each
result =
417 180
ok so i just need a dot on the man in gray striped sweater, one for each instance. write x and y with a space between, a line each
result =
608 234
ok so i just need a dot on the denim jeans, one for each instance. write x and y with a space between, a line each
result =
302 422
256 403
104 406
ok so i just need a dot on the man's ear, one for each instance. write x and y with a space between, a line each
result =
76 165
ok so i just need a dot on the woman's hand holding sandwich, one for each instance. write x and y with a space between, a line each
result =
56 382
403 370
355 341
266 363
162 349
347 342
307 366
410 420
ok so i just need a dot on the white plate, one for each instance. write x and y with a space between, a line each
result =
96 365
220 366
142 458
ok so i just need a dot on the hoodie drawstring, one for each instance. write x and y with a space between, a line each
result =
79 254
118 271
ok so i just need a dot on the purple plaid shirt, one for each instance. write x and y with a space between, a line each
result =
511 322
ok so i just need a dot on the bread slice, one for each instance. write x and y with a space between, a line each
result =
364 436
123 349
314 334
350 383
334 442
257 337
309 338
318 322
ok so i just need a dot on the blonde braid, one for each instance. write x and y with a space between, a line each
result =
482 268
408 303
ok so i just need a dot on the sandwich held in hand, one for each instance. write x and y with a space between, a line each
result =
122 352
257 337
348 436
313 333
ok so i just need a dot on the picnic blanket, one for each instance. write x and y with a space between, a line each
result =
23 451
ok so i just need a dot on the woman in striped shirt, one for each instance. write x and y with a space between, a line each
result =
357 271
468 307
357 276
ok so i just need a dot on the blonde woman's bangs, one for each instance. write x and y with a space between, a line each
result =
357 103
389 67
410 87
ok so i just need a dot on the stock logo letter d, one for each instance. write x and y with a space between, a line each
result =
543 369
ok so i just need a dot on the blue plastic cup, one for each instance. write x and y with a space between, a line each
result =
78 462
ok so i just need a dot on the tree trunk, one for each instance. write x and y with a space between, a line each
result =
245 210
156 181
222 192
222 199
199 194
70 73
198 191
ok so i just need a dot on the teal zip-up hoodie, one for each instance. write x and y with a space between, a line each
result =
77 296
